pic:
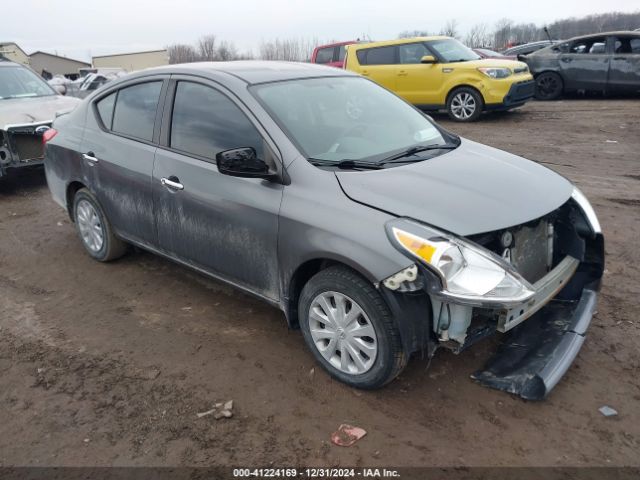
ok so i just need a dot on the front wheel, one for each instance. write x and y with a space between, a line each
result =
548 86
349 329
464 105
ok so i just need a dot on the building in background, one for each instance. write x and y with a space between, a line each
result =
132 61
11 51
56 65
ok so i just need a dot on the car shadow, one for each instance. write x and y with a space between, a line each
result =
21 181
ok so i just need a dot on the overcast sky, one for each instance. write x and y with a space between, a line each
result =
81 28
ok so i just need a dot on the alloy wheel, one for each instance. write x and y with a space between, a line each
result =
463 105
343 333
90 226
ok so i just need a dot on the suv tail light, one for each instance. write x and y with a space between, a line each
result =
48 135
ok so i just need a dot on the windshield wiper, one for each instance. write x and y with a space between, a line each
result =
346 164
417 149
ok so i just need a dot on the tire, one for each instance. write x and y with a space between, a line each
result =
367 338
549 86
94 229
464 104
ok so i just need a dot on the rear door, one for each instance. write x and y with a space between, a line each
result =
226 226
118 148
586 64
380 65
624 75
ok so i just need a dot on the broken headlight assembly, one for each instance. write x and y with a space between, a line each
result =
587 209
468 273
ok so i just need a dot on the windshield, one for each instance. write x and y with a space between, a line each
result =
345 118
451 50
18 82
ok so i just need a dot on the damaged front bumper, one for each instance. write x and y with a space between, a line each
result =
536 355
21 145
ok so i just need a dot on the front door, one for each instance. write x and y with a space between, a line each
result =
118 153
226 226
586 65
418 83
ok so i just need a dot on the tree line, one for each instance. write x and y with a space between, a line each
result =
500 35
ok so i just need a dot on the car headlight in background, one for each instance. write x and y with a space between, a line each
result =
588 210
468 272
496 72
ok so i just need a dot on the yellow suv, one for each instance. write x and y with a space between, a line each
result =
436 73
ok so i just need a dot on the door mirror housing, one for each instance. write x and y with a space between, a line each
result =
428 59
242 162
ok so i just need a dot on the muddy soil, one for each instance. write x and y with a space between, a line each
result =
109 364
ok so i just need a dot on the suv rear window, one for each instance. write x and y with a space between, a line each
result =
135 110
377 56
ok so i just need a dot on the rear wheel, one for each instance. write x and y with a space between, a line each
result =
548 86
349 329
94 228
464 105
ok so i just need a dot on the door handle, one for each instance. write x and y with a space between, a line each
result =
90 157
364 73
566 60
402 73
172 184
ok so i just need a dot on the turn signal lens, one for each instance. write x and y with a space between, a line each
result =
48 135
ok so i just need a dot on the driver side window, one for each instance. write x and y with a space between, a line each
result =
596 45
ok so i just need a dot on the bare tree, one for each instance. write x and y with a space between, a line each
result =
450 28
181 53
207 48
502 33
413 33
478 36
226 51
289 49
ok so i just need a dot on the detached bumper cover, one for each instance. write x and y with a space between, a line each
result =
537 353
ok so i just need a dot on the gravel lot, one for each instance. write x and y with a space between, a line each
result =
109 364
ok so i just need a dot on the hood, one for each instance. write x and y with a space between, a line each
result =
488 62
472 189
34 110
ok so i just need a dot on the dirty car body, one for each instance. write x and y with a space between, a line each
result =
376 231
28 106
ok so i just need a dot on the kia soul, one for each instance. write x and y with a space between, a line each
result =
440 73
378 233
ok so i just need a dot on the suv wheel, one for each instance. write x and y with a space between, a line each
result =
548 86
94 229
349 329
464 105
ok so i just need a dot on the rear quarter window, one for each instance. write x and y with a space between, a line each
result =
105 109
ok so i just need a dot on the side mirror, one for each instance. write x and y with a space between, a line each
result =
428 59
242 162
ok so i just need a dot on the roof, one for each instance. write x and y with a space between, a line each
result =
256 71
130 53
397 41
15 44
337 44
602 34
59 56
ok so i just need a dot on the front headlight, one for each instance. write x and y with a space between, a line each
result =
588 210
468 272
496 72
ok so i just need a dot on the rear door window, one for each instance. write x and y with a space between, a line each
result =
593 45
324 55
135 111
378 56
205 122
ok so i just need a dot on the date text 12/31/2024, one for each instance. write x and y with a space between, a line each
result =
315 473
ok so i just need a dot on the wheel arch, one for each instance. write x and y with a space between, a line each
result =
464 85
70 194
303 273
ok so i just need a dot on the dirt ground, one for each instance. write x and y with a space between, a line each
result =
109 364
